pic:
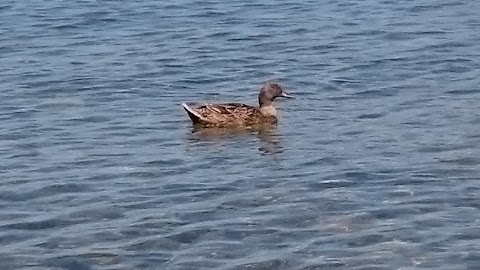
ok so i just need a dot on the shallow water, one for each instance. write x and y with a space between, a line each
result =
375 164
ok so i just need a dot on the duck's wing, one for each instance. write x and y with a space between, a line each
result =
231 108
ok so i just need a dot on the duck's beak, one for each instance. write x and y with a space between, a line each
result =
284 94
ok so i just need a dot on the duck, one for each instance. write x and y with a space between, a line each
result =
239 115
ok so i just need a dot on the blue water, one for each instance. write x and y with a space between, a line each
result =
374 165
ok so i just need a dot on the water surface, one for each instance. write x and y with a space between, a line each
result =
374 165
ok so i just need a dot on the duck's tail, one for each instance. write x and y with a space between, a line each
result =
196 117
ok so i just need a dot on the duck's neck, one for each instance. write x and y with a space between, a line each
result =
268 111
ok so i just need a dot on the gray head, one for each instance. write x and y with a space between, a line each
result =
269 92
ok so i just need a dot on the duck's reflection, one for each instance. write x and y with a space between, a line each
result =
266 133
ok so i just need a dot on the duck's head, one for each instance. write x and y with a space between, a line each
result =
269 92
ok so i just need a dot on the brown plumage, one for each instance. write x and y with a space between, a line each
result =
238 114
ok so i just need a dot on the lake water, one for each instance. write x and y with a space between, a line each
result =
374 165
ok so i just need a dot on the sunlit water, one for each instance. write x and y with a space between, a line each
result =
374 165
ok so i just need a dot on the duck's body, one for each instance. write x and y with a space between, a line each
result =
228 115
238 114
